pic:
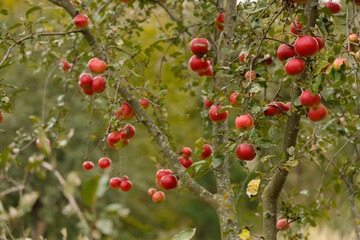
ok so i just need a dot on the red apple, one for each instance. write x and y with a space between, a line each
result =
125 112
287 107
38 145
186 162
353 37
113 138
124 178
233 100
115 182
65 65
333 6
250 75
81 21
243 57
320 42
267 60
198 64
162 172
219 21
272 110
126 185
295 66
97 66
128 131
308 99
209 72
151 191
338 62
144 103
306 46
208 103
245 152
88 91
207 151
186 152
199 46
317 113
244 122
298 26
217 117
1 116
158 197
88 165
169 182
85 81
104 162
284 52
283 224
98 84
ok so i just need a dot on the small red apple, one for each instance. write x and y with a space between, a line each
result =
219 21
186 162
125 185
199 46
306 46
317 113
169 182
298 27
38 145
218 117
158 196
250 75
207 150
233 100
186 152
97 66
243 57
208 103
338 62
333 6
98 84
162 172
125 112
85 81
81 21
244 122
353 37
320 42
283 224
308 99
198 64
209 72
284 52
272 110
128 131
287 107
65 65
1 116
104 162
88 91
295 66
245 152
151 191
113 138
115 182
144 103
88 165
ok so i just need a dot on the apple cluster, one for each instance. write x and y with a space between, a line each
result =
97 84
125 112
198 62
164 179
123 183
219 21
277 108
317 111
185 159
102 163
121 138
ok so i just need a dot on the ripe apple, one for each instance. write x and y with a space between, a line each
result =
209 72
85 81
97 66
98 84
198 64
186 152
169 182
124 178
244 122
283 224
306 46
217 117
81 21
243 57
125 112
88 165
298 26
151 191
245 152
159 196
320 42
162 172
128 131
333 6
144 103
65 65
113 138
125 185
208 103
186 162
287 107
219 21
250 75
272 110
233 100
353 37
295 66
207 151
38 145
115 182
199 46
284 52
308 99
338 62
104 162
88 91
1 116
317 113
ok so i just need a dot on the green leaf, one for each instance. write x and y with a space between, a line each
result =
33 9
4 12
217 160
187 234
88 191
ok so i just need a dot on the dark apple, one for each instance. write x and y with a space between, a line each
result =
245 152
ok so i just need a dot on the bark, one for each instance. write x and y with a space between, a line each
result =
274 187
352 205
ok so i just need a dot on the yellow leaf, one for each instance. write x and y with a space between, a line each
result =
253 187
245 234
49 28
